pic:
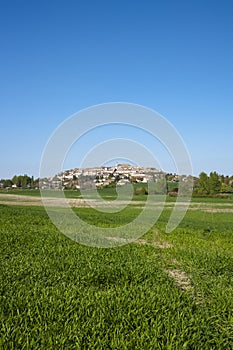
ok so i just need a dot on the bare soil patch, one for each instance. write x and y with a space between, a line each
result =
157 244
219 210
180 278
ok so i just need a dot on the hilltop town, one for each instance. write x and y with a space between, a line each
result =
122 174
102 176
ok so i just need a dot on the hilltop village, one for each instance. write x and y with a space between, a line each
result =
103 176
122 174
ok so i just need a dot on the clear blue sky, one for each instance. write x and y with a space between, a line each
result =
58 57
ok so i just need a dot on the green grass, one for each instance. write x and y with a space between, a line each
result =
57 294
26 192
109 193
36 192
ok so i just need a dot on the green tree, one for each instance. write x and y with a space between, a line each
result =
203 186
214 183
23 181
161 186
7 183
227 180
15 180
225 188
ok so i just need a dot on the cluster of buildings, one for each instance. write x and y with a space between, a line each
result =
102 176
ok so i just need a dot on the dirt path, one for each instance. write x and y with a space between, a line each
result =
17 199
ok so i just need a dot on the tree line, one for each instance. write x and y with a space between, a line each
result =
204 185
20 181
213 184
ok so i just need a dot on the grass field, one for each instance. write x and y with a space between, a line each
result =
165 291
105 193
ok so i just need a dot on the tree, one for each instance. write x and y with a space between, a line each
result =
225 188
15 180
141 191
227 180
203 185
161 186
23 181
7 183
214 183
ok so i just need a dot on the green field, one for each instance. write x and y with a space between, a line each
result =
106 192
166 291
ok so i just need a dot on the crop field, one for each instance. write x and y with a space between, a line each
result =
164 291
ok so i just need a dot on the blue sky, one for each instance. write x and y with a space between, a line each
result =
58 57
